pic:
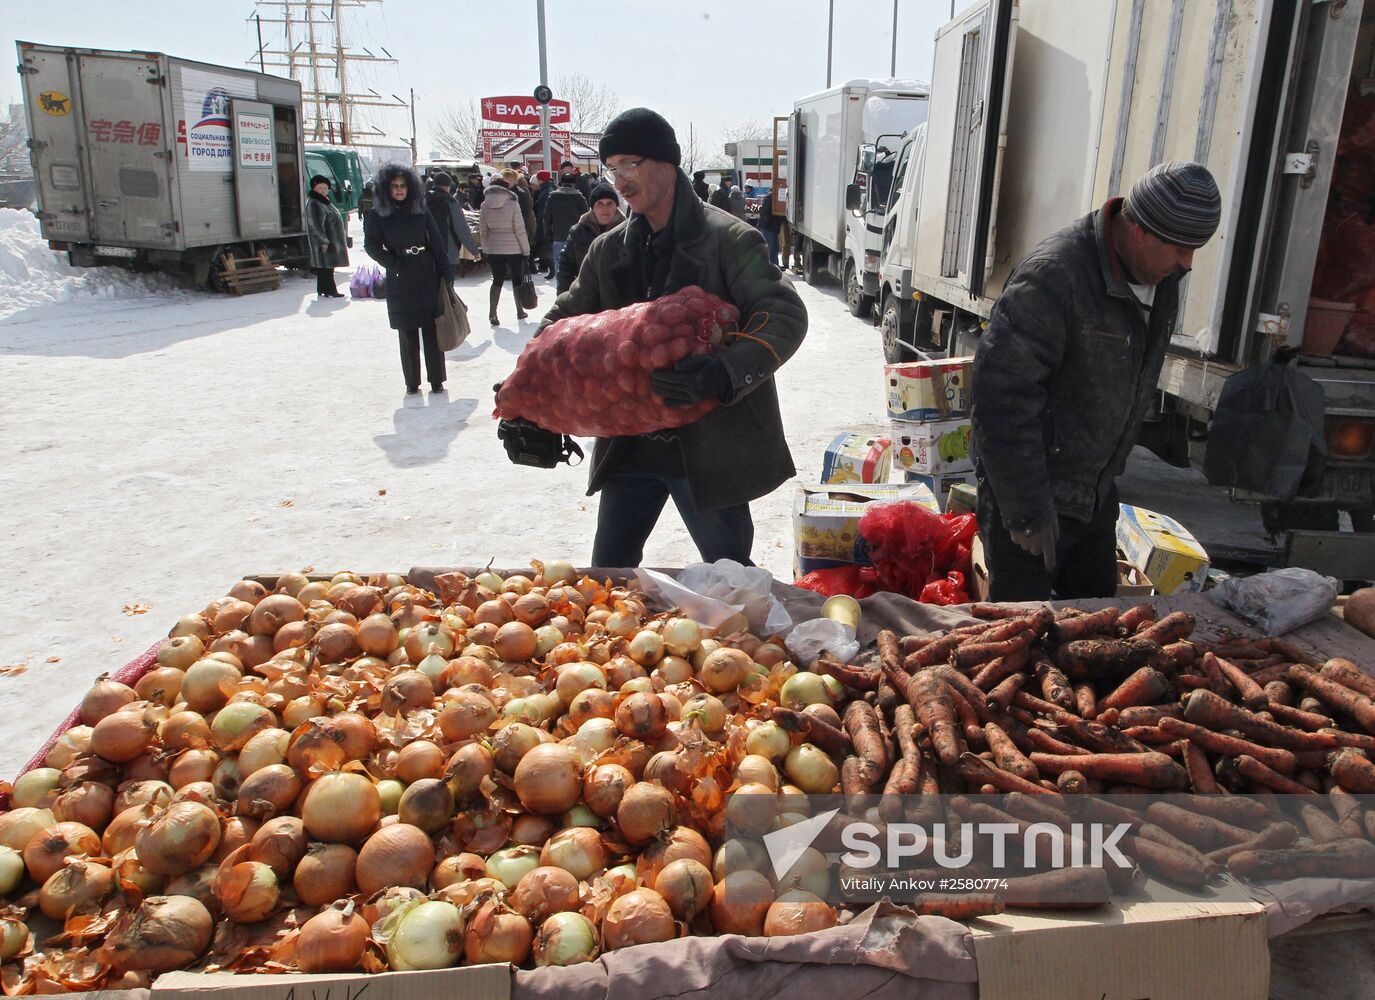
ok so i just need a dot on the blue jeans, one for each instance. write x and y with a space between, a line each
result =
771 240
630 507
558 252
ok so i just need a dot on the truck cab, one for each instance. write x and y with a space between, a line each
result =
866 201
897 298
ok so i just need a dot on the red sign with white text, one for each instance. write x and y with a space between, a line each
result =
522 111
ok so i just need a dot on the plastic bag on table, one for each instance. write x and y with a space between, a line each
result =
946 591
807 641
750 587
857 581
1278 601
700 608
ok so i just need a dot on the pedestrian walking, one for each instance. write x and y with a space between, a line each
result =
400 234
729 198
566 206
474 190
504 240
769 225
700 187
1065 374
328 240
452 223
542 257
714 467
604 215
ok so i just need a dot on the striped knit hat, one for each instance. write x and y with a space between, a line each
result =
1178 202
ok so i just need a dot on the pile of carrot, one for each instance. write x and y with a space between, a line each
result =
1050 710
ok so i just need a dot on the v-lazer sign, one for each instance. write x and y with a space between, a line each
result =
522 111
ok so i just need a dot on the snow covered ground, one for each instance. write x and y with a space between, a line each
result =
159 443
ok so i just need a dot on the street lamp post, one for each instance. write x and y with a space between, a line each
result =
544 82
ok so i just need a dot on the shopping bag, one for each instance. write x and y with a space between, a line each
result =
360 285
378 283
527 296
451 322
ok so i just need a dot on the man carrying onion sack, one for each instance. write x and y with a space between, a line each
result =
712 467
1065 374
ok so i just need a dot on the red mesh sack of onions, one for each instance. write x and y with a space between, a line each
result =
589 375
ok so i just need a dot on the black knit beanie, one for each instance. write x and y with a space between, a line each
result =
640 132
603 190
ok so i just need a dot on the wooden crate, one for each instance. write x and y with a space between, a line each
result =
245 275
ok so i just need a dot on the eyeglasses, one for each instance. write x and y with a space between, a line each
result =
629 170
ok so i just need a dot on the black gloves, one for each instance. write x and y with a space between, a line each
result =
1040 538
695 378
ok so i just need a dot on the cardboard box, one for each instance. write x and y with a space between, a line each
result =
934 447
940 485
1129 950
826 522
855 458
929 390
1131 582
472 982
962 499
1162 549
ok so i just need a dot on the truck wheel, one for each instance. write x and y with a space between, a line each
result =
813 272
860 305
890 329
215 280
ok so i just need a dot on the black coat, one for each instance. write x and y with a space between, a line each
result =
575 248
325 225
738 451
1065 374
452 223
562 212
388 231
474 193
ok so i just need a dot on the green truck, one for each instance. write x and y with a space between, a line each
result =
344 168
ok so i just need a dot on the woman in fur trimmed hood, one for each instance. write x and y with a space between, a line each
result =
401 235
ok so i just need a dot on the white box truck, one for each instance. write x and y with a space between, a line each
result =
842 150
1042 110
142 159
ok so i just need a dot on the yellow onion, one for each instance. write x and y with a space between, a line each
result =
531 829
120 833
69 746
531 609
165 933
333 940
510 864
31 786
48 850
227 777
267 746
753 808
269 791
515 641
682 636
591 703
388 901
11 870
208 684
548 779
280 843
325 874
400 854
354 732
197 791
641 916
198 884
137 882
495 934
577 850
274 611
104 699
14 938
78 886
641 717
161 686
512 742
682 842
427 638
341 808
646 810
405 692
798 912
466 768
768 739
604 787
122 736
246 891
180 651
686 886
544 890
191 766
377 635
181 837
465 715
428 935
419 759
576 677
237 723
427 804
184 731
90 803
739 903
756 769
811 769
457 868
724 669
337 642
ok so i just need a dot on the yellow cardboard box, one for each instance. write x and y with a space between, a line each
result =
929 390
826 521
1162 549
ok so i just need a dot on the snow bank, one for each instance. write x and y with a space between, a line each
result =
32 275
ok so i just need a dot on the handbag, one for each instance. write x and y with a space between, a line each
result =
451 322
526 295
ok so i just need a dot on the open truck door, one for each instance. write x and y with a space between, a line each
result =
255 170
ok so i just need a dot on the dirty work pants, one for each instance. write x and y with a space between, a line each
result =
410 356
630 506
1085 564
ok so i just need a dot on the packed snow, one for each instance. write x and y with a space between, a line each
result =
160 443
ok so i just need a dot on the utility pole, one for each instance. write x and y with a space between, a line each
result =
893 62
262 66
544 82
415 156
830 34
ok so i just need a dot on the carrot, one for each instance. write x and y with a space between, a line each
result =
1250 693
1348 858
1289 650
1108 718
970 727
902 780
1322 828
1146 686
935 651
1001 696
1297 717
974 768
1353 771
997 612
858 678
1136 617
981 812
1206 709
932 699
1103 739
1347 809
815 731
1310 704
1238 810
1006 754
1191 869
1062 889
1148 715
1201 778
1274 835
1206 739
1336 694
1217 680
1257 773
968 689
1278 673
962 907
1152 736
1190 682
994 671
1277 692
1085 626
1085 699
1346 673
1086 659
974 654
1055 685
1046 743
1182 654
861 725
1237 649
1072 783
1173 627
1150 769
885 698
1003 630
1197 830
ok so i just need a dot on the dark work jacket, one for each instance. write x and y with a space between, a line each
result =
562 212
738 451
1065 374
579 241
412 279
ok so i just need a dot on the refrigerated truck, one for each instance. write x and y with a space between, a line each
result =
1042 110
146 160
841 144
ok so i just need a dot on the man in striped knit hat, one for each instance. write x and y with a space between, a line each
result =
1065 374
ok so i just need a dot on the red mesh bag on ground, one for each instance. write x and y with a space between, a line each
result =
857 581
589 375
911 547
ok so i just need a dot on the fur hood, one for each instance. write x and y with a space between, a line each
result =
493 190
415 190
